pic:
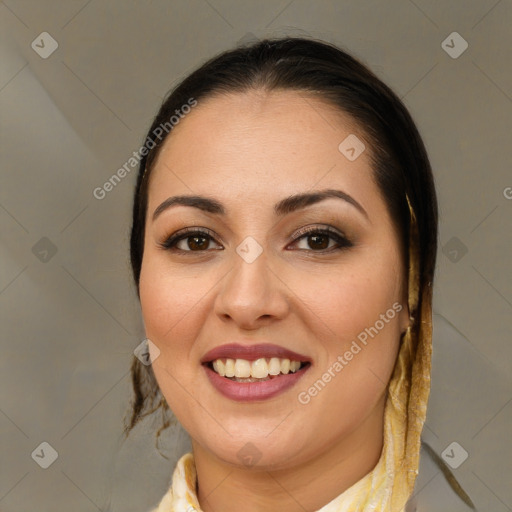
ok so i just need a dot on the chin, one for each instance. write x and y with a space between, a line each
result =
258 450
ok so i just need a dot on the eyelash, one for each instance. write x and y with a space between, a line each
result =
343 243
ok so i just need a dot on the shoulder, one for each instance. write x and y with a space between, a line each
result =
433 491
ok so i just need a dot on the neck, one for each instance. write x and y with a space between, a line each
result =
304 487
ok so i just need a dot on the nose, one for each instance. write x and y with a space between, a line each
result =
252 294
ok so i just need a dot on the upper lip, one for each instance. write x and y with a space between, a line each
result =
252 352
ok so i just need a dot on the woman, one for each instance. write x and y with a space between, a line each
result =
283 247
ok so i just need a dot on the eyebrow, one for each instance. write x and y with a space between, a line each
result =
285 206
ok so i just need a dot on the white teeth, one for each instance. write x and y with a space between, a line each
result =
219 367
274 367
242 368
229 368
257 369
294 366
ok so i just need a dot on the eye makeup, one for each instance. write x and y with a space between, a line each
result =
198 239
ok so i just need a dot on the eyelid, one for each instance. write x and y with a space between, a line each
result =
313 228
337 235
169 242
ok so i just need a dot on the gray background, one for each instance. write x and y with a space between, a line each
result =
70 319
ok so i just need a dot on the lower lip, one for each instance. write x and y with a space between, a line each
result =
253 391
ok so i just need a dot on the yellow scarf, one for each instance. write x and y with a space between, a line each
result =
390 484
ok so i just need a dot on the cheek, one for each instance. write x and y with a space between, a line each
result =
170 308
356 321
344 302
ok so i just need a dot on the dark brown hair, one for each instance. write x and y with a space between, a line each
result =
399 159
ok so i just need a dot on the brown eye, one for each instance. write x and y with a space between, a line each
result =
199 243
189 240
318 239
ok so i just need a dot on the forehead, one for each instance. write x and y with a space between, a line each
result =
268 144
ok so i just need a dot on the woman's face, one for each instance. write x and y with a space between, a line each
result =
256 277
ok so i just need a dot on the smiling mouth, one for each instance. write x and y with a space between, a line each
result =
259 370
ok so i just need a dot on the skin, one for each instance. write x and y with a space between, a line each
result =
250 150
